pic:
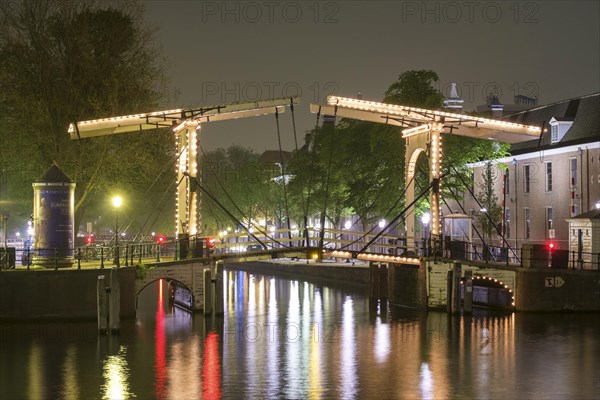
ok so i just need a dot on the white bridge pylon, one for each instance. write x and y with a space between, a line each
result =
422 129
186 126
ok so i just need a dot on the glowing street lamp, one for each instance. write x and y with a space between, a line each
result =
117 201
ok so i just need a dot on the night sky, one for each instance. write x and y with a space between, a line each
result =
242 51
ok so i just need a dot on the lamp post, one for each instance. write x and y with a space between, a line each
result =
117 201
425 219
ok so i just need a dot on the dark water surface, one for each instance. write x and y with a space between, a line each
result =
297 340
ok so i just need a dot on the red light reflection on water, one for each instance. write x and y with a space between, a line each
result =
211 368
160 346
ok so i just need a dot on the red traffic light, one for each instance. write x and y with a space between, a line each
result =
89 239
160 239
210 242
551 246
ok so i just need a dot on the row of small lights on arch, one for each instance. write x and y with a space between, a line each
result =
487 278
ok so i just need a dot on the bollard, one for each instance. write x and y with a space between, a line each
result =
140 254
101 257
468 306
208 292
101 305
114 300
219 306
127 255
79 258
55 259
28 258
449 280
157 252
456 274
374 280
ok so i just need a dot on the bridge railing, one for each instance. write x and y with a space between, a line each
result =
100 255
132 253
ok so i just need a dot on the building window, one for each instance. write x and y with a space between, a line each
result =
548 221
507 182
527 178
527 223
507 223
573 172
554 133
548 176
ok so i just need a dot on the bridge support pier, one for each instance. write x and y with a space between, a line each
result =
114 309
468 285
102 310
456 274
378 280
208 292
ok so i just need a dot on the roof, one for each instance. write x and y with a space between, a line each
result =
592 214
584 111
54 175
274 157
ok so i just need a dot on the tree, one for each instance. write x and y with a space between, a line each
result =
491 214
69 61
248 190
415 88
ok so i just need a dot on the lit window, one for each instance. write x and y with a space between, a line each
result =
573 171
527 223
548 176
527 180
554 133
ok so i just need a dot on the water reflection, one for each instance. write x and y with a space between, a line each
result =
70 374
292 339
348 352
116 376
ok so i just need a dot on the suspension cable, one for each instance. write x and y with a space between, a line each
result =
130 220
310 178
386 214
486 214
397 217
327 180
285 197
243 215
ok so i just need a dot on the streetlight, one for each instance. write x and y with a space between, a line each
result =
117 201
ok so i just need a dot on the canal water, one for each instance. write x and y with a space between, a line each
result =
287 339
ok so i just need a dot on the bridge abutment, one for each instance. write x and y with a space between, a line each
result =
187 273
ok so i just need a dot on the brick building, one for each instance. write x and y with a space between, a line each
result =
545 182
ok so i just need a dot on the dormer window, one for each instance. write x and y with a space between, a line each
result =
558 128
554 131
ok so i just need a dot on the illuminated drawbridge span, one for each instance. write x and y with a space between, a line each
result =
186 126
422 129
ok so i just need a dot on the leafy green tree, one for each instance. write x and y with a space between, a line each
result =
489 218
246 189
415 88
62 62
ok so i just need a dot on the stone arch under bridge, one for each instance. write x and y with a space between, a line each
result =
437 279
188 274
